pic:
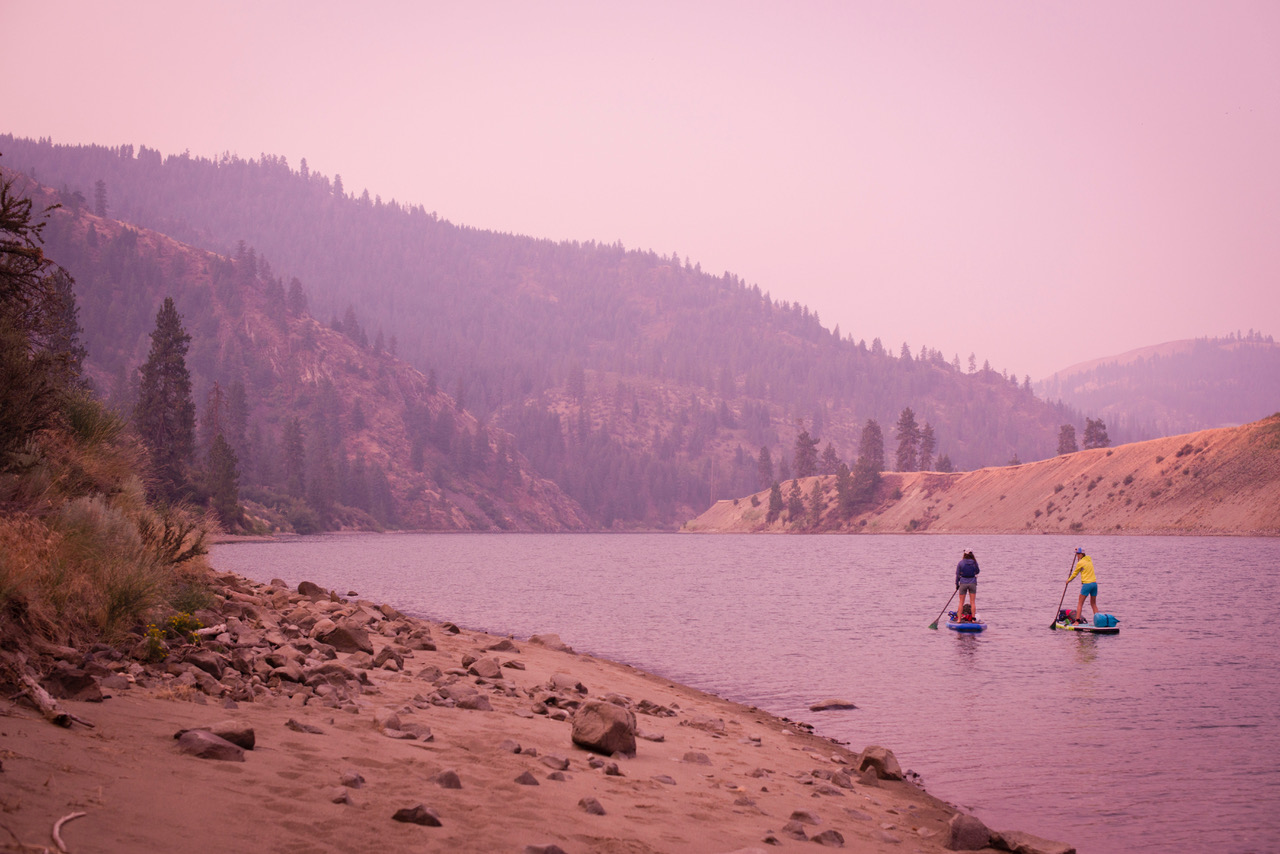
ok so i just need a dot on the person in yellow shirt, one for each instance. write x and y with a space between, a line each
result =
1088 583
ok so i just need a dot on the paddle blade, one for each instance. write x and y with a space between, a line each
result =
934 624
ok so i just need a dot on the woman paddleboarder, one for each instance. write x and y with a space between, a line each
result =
967 582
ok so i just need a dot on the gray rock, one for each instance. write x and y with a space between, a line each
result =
448 779
693 757
73 684
558 776
664 779
297 726
831 706
967 833
1026 843
805 817
347 637
352 779
591 806
235 732
605 728
527 779
509 746
795 830
208 661
339 795
831 838
551 641
559 763
205 745
543 849
307 588
486 668
418 815
430 673
882 760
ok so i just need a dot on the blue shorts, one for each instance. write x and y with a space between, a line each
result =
1090 589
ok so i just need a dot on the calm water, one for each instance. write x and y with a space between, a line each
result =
1165 736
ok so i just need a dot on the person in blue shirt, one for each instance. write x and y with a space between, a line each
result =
967 583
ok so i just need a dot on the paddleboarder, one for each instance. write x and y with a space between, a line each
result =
1088 583
967 582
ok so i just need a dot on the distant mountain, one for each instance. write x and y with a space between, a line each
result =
1224 481
377 444
643 386
1175 387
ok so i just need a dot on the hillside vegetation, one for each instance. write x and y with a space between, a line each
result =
1221 481
642 385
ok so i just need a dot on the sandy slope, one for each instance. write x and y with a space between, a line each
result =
1222 481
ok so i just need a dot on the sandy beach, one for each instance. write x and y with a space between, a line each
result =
356 713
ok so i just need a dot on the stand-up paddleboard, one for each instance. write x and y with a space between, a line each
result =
957 626
1086 627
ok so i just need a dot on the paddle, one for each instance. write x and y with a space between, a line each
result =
934 624
1054 624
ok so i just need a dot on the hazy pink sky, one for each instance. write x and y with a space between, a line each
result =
1040 183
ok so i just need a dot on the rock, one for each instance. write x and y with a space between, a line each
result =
558 776
237 733
504 645
73 684
430 673
450 628
486 668
805 817
386 654
612 770
1025 843
307 588
605 728
301 727
208 661
466 696
339 795
320 627
558 763
418 815
591 806
565 682
509 746
527 779
551 641
352 779
795 830
967 833
705 723
543 849
830 838
882 760
693 757
205 745
448 780
664 779
831 706
347 637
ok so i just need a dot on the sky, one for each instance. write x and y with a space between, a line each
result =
1037 183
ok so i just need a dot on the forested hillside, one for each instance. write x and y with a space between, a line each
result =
641 384
1176 387
327 433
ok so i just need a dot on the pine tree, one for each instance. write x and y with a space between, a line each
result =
295 481
224 483
165 414
830 461
871 448
775 503
806 455
795 503
1067 439
908 436
764 473
927 443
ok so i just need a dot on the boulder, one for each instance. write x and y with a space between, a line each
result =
694 757
486 668
347 637
605 728
205 745
831 838
309 589
882 760
418 815
831 706
551 641
966 833
448 779
235 732
527 779
565 682
1026 843
73 684
352 779
591 806
208 661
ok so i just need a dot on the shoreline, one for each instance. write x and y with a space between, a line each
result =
355 711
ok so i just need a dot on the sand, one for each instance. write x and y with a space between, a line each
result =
710 776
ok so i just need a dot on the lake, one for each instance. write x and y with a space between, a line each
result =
1166 736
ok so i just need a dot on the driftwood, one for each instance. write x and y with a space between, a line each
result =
57 828
211 631
40 698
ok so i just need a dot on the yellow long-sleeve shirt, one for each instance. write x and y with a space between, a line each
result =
1084 568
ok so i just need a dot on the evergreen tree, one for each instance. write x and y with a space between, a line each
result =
165 414
806 455
297 297
775 503
224 483
100 198
764 468
816 504
1095 434
795 503
1067 439
908 436
944 463
845 503
830 461
871 448
927 443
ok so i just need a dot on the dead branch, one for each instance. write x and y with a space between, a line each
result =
57 828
